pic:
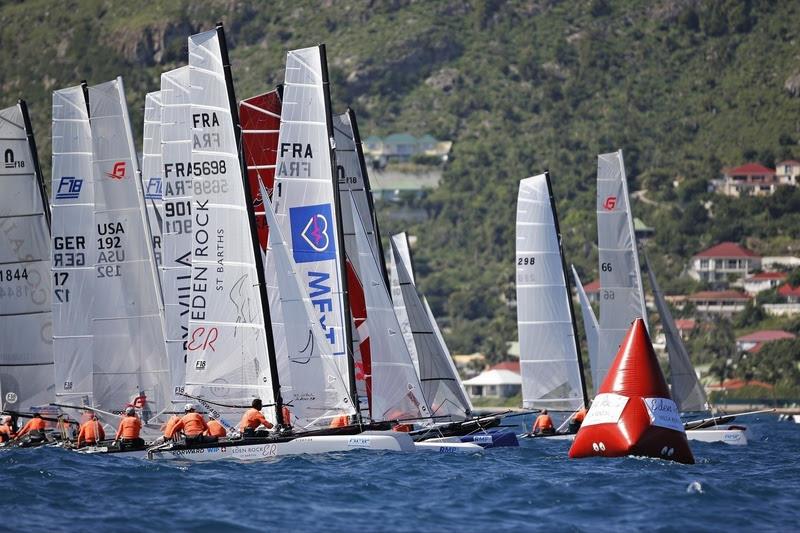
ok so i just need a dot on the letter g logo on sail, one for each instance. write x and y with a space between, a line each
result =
312 233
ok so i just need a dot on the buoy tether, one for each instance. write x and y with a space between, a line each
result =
633 413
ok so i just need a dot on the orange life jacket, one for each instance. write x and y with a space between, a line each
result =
91 432
340 421
129 428
32 425
580 415
215 429
287 416
404 428
252 418
169 426
192 424
543 422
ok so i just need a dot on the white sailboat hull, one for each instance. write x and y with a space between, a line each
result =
447 445
732 436
796 419
91 450
380 440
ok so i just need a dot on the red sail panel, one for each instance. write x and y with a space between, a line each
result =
260 117
358 308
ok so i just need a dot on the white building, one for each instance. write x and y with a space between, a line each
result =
496 382
724 261
763 281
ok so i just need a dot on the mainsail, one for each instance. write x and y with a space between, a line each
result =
314 388
687 392
26 344
590 326
129 351
400 242
305 199
441 385
621 294
152 171
552 375
396 390
228 359
176 155
73 233
353 182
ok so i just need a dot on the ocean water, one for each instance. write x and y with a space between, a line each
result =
531 488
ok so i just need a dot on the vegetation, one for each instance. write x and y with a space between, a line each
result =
683 87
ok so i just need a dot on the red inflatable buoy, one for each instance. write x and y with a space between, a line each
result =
633 413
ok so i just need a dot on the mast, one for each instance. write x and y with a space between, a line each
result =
569 292
262 284
368 191
37 170
347 326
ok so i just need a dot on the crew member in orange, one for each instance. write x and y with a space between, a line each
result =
128 430
167 429
576 420
91 432
340 421
252 418
6 430
544 424
34 429
287 416
193 426
403 428
216 429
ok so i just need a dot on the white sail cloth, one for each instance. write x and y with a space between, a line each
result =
621 293
396 390
129 351
228 361
551 372
400 242
73 233
312 385
26 344
176 155
304 196
440 383
152 171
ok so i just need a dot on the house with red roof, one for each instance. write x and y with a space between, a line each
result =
750 179
790 293
753 342
763 281
788 172
685 326
592 290
723 262
725 303
790 305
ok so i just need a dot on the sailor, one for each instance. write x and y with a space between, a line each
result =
543 424
252 418
66 427
287 416
128 430
215 429
168 428
340 421
34 429
91 432
576 420
193 426
6 429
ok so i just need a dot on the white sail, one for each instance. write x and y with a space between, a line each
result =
549 356
312 387
129 350
396 390
687 392
73 244
621 294
152 171
227 360
176 156
440 383
400 242
304 197
590 326
26 344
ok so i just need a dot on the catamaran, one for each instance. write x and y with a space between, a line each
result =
26 345
550 356
622 299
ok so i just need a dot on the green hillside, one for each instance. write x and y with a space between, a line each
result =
682 86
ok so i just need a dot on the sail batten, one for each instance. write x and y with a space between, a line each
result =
549 355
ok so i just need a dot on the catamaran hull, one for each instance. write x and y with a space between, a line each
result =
383 441
548 438
447 445
732 436
105 450
796 419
